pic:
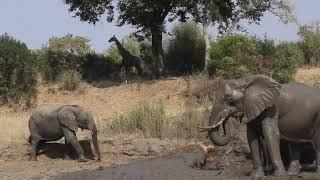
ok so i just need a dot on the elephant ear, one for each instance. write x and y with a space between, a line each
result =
260 94
67 117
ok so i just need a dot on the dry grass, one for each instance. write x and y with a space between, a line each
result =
14 126
186 103
69 80
308 75
149 120
105 103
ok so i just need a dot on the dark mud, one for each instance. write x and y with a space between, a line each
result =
232 162
178 165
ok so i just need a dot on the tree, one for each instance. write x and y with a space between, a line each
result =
62 54
310 42
229 15
18 71
75 45
148 16
186 49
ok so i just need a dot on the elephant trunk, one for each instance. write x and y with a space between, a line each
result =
218 118
95 140
217 138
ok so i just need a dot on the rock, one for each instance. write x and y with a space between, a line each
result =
316 84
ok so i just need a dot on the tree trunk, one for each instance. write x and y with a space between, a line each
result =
207 44
157 51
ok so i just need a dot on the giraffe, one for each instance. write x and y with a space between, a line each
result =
128 60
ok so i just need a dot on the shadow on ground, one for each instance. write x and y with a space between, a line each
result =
61 151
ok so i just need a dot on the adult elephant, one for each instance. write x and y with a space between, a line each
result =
52 123
272 111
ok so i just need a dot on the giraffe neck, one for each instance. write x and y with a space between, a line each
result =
121 49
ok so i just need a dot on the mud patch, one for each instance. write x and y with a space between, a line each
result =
222 163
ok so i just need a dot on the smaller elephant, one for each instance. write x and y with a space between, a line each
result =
51 123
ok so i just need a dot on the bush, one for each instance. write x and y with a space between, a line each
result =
186 51
193 117
149 118
69 80
18 71
288 57
239 55
56 62
232 57
97 67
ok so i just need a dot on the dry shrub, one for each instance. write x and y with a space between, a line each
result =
195 114
69 80
148 118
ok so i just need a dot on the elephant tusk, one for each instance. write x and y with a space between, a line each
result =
208 128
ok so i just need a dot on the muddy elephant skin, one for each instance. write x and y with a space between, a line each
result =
271 110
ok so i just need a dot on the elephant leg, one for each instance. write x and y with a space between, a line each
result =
272 136
264 154
316 143
67 146
253 140
294 153
34 140
72 138
33 151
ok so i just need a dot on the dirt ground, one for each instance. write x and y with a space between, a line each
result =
128 158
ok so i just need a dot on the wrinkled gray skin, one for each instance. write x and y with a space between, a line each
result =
52 123
272 111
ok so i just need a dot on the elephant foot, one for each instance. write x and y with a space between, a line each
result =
279 172
293 171
82 159
33 159
66 157
257 173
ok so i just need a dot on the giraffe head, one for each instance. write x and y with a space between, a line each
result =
113 38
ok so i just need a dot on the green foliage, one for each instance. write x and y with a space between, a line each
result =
237 56
69 80
186 52
56 62
75 45
310 43
97 67
150 16
62 54
287 59
232 57
18 71
149 118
